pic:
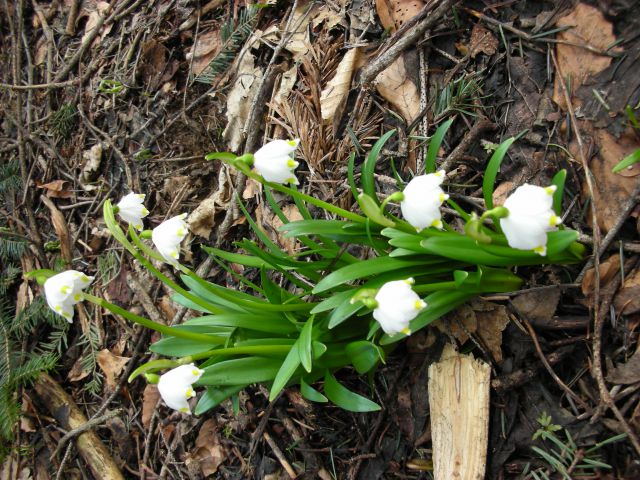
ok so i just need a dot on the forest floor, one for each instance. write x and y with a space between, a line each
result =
99 98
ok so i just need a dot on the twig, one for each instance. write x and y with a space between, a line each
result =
481 125
90 424
279 455
406 39
70 28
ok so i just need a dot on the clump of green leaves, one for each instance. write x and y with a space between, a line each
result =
564 456
302 321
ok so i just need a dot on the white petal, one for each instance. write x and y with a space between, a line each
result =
183 374
422 199
276 148
131 209
175 386
398 304
167 237
63 290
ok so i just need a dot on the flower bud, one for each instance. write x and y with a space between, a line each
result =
530 218
398 304
175 386
64 290
167 238
422 199
131 209
275 163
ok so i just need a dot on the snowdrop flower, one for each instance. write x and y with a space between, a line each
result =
64 290
530 218
167 237
131 209
398 304
422 199
175 386
275 163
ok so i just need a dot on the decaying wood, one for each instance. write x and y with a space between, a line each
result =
459 405
70 417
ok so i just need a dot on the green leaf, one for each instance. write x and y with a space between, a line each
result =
180 347
286 371
374 266
224 156
351 176
214 396
240 259
311 393
558 180
368 170
345 398
320 227
493 167
434 146
241 371
364 355
370 208
263 322
304 345
345 310
627 161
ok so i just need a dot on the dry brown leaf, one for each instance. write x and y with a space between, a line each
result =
299 43
395 86
482 40
612 190
287 82
111 365
588 26
150 398
62 231
627 299
206 48
394 13
337 89
100 9
91 160
77 373
608 269
201 220
540 305
626 373
56 189
208 452
240 99
460 322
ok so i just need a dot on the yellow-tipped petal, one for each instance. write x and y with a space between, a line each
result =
437 224
406 331
293 143
77 297
551 189
541 250
410 281
420 304
185 410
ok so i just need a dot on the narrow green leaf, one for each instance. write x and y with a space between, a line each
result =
351 175
558 180
627 161
224 156
286 371
311 393
434 146
240 259
304 345
364 355
214 396
345 398
368 170
260 322
493 167
241 371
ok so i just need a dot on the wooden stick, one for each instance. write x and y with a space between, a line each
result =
69 416
459 404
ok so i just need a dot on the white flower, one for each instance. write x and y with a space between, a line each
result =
398 304
175 386
167 237
64 290
275 163
530 218
422 199
131 209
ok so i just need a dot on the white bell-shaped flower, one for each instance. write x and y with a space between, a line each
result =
167 237
131 209
64 290
422 199
398 304
175 386
274 161
530 217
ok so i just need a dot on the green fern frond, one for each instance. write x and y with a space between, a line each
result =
10 180
233 35
11 248
64 121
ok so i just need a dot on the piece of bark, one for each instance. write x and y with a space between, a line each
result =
459 405
70 417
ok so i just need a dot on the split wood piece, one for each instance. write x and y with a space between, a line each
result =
459 404
70 417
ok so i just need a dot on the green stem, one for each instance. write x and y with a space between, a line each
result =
158 327
434 287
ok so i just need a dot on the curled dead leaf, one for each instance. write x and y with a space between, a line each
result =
208 452
395 13
395 86
337 89
112 366
482 41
